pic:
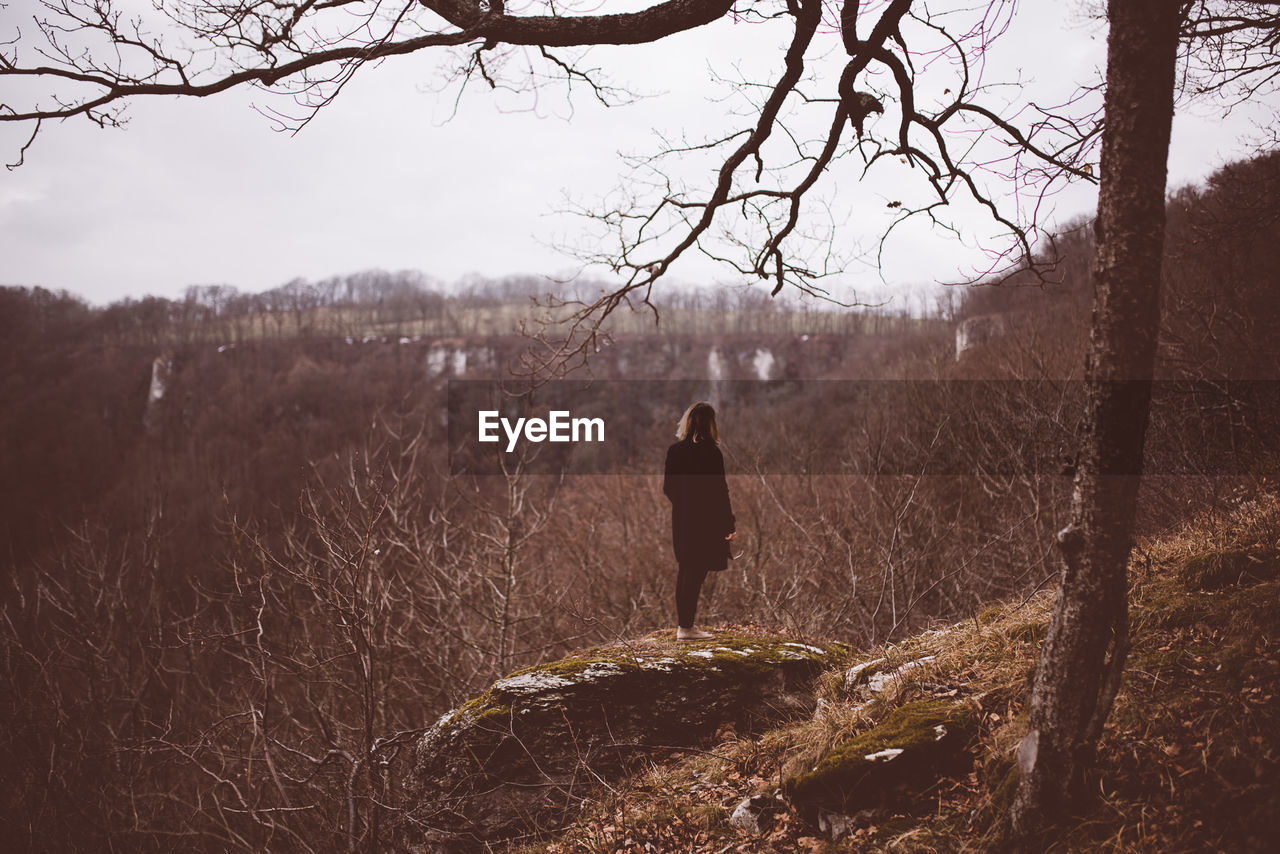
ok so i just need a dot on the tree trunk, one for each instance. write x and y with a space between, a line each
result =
1075 680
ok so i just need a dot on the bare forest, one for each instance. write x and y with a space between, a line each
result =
241 574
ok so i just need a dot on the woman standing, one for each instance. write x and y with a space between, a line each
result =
701 516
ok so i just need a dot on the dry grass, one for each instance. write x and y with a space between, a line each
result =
1190 760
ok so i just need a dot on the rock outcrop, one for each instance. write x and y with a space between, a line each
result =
915 746
161 372
754 814
870 678
977 331
522 756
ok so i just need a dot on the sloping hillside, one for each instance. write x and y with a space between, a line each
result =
1189 761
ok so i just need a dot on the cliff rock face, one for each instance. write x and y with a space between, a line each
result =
161 371
976 331
522 755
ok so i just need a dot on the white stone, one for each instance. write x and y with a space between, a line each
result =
599 669
834 825
851 675
879 681
532 683
747 815
805 646
886 755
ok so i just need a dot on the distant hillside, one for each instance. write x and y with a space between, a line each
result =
1220 308
377 305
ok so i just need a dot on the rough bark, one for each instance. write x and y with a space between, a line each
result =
1076 680
647 25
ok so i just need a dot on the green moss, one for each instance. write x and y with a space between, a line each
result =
729 656
498 713
1216 570
575 666
1002 794
758 655
727 649
471 709
736 653
931 737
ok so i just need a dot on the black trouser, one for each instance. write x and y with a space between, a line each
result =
688 586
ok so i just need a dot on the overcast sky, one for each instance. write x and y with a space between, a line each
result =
206 191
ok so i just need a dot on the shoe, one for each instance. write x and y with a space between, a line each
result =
692 634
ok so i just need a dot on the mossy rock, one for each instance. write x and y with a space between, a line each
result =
1216 570
903 757
522 755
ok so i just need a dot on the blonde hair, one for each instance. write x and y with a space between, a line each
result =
698 423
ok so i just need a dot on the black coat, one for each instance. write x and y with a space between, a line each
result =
701 515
